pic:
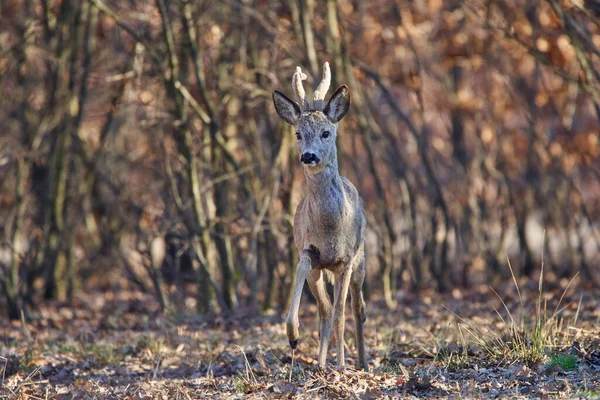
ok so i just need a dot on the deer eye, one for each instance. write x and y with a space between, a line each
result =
325 134
298 136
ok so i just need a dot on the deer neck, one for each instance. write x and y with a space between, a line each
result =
326 193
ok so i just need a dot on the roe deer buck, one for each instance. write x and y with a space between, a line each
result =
329 225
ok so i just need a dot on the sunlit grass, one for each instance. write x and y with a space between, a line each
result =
528 339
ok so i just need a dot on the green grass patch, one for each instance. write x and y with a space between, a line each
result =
103 355
567 362
528 339
457 362
395 368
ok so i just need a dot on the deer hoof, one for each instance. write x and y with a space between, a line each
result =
294 344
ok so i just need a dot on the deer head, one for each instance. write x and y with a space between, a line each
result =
316 127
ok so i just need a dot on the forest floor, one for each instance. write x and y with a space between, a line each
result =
461 344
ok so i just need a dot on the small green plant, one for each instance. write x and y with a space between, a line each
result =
240 384
150 347
298 374
101 354
246 381
67 348
452 353
393 368
587 395
567 362
454 357
457 362
32 353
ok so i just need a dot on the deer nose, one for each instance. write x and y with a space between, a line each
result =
309 158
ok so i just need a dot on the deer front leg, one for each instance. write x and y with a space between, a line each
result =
340 294
316 280
292 318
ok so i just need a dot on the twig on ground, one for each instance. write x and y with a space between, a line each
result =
291 367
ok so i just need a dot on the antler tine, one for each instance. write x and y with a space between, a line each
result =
297 79
319 95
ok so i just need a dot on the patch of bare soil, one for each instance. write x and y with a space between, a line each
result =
465 344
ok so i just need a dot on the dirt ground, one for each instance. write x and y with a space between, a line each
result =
457 345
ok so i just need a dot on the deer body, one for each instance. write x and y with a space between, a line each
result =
329 224
330 219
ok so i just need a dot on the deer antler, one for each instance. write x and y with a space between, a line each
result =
319 95
297 79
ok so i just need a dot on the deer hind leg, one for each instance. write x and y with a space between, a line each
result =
340 293
292 319
316 280
358 309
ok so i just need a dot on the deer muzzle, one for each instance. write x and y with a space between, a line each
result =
309 159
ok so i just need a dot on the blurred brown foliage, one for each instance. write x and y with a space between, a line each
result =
139 144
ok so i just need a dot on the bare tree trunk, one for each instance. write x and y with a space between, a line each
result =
11 283
270 261
56 285
220 236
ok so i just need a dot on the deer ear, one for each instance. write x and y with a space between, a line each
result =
338 104
287 109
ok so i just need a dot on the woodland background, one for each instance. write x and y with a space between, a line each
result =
140 150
